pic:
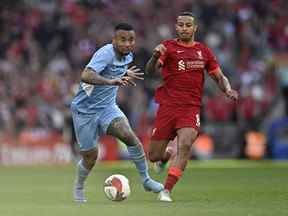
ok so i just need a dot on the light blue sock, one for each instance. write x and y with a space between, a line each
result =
81 174
137 155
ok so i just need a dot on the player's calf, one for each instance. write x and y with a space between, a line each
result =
154 157
161 165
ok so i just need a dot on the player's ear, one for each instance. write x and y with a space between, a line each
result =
195 27
176 26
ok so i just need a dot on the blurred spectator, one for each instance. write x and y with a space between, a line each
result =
255 145
283 78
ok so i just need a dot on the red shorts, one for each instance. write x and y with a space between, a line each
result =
170 118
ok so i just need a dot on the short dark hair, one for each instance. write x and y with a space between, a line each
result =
123 26
186 13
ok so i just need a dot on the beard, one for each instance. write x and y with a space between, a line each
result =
185 37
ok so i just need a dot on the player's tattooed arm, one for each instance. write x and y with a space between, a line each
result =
154 64
91 77
120 128
224 84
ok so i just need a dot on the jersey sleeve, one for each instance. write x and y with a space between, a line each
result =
212 63
100 60
164 56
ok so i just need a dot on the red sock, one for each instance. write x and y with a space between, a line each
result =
174 174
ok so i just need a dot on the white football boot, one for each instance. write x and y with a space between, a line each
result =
164 196
78 193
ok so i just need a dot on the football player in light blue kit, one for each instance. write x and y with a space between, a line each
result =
95 112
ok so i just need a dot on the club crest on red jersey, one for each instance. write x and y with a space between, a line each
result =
199 53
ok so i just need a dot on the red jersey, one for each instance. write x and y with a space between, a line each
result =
183 70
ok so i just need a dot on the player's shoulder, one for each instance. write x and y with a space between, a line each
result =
107 49
174 42
105 52
201 45
168 42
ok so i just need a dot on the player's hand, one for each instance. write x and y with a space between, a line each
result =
158 51
134 73
123 81
232 94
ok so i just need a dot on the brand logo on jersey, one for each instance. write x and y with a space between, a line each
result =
181 65
88 88
199 53
180 51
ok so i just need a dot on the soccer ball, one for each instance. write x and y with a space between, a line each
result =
116 187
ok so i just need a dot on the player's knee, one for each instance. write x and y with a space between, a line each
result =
185 143
90 159
90 162
130 139
154 157
94 157
186 139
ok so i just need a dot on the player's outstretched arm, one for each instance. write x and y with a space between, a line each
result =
153 64
224 84
91 77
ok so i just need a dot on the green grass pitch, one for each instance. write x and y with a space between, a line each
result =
209 188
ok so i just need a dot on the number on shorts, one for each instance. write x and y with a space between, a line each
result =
197 120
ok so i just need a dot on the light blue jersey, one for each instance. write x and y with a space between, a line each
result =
94 106
92 98
94 110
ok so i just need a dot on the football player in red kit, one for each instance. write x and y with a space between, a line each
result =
182 62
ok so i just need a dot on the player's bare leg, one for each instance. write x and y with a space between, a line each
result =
186 137
158 154
84 167
168 155
121 129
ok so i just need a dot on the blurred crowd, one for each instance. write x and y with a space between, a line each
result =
44 45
